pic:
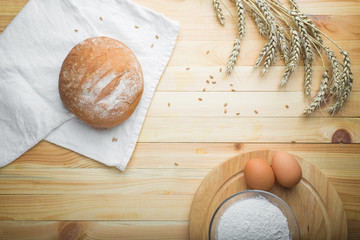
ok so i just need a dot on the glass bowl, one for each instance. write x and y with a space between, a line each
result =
275 200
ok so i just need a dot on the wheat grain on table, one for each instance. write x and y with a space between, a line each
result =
52 193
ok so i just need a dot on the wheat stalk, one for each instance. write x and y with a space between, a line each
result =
218 12
294 56
315 32
305 40
241 33
320 96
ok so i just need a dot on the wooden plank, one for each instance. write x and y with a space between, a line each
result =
244 79
180 181
188 155
229 104
94 207
238 129
188 8
193 53
54 230
101 181
203 8
207 28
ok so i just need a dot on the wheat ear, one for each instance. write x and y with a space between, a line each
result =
218 12
295 52
260 24
336 72
241 33
283 44
293 4
340 102
270 48
308 77
315 32
306 44
272 51
320 96
233 56
347 81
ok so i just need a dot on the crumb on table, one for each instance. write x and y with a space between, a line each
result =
187 68
168 104
114 139
76 30
156 36
136 26
101 18
256 112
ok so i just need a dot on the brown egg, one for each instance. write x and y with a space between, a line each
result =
286 169
259 175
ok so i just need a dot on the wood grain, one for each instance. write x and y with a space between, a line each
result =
243 79
237 129
55 230
94 207
59 181
267 104
194 52
189 155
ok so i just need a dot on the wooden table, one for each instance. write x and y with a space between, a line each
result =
51 192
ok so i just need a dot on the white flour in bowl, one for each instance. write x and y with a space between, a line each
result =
253 218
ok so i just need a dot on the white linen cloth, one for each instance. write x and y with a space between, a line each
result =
32 49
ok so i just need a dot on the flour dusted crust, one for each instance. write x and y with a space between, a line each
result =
101 82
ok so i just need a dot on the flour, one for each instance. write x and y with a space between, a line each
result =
253 218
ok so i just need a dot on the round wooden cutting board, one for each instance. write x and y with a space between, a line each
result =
314 201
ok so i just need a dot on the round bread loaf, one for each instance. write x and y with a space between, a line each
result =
101 82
